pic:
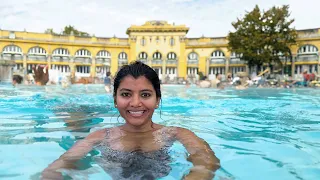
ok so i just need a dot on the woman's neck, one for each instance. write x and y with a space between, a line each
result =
139 129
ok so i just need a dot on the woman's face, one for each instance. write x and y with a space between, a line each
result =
136 100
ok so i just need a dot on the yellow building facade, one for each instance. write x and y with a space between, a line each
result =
163 46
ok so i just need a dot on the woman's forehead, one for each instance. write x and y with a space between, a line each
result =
129 82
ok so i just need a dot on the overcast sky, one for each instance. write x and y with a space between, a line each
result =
106 18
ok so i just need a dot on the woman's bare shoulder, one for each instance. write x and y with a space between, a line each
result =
183 133
176 131
105 133
98 135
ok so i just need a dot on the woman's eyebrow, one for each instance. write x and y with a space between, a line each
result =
143 90
124 89
147 90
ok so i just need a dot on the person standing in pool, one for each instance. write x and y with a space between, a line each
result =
107 82
139 148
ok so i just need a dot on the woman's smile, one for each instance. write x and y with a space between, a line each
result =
136 114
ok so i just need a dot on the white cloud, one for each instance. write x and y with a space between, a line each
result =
106 18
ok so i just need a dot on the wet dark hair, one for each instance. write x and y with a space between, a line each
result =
137 69
237 83
17 78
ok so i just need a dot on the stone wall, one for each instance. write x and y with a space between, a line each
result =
5 73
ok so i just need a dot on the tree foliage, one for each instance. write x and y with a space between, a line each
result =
263 37
68 30
50 31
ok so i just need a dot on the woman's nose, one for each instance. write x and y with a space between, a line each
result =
135 101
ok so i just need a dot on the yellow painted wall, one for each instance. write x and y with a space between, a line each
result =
132 46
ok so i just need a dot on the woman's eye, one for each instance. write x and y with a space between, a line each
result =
125 94
145 95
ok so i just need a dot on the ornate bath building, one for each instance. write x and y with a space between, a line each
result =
163 46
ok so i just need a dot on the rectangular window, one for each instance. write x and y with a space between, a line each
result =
172 42
143 42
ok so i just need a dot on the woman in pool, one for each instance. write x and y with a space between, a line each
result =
139 148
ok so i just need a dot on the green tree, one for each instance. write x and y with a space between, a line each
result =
263 37
71 30
50 31
68 30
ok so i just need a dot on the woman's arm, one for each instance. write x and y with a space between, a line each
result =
75 153
201 155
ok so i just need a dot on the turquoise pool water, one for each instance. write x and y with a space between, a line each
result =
256 133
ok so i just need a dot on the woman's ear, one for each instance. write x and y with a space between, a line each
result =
158 102
115 102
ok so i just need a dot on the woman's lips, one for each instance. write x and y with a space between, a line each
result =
136 113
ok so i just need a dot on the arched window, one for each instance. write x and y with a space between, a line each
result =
103 57
217 54
123 55
37 51
61 52
157 55
83 53
60 55
308 49
193 56
143 55
12 52
37 54
307 53
103 54
172 56
12 49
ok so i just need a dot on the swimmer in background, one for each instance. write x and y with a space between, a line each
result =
107 82
138 149
41 75
216 83
16 79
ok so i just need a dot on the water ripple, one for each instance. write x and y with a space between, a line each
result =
274 132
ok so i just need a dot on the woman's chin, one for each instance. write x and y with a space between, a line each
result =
136 123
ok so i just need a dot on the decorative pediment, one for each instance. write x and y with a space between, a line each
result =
157 26
156 23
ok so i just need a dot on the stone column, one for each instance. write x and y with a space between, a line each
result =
227 65
247 69
25 62
114 62
202 65
49 62
207 67
93 67
177 67
164 62
149 62
318 64
293 67
72 70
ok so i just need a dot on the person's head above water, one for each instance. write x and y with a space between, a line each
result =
137 69
136 93
17 79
